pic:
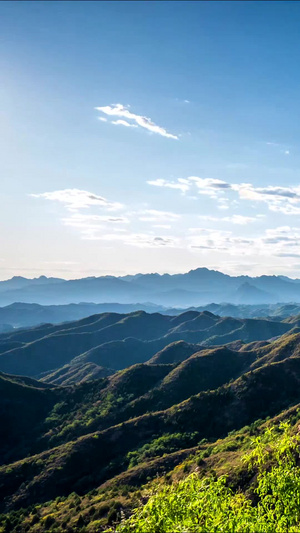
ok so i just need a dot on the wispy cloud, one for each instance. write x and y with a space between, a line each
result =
94 227
287 254
162 226
140 240
283 148
149 241
118 110
182 101
75 199
207 186
82 220
240 220
111 228
285 200
214 188
282 199
121 122
181 184
280 242
153 215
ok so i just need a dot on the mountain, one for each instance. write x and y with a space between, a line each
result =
20 315
116 341
75 373
19 282
112 401
74 455
94 410
194 288
251 295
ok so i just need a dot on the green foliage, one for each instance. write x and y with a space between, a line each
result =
158 447
197 505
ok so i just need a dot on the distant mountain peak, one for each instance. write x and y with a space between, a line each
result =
248 293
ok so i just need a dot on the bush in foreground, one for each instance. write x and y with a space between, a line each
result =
197 505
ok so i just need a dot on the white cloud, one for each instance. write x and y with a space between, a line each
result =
149 241
121 122
223 203
74 199
208 239
80 220
280 242
234 219
285 200
140 240
93 227
181 184
239 219
108 227
162 226
118 110
209 186
214 188
209 218
287 254
103 119
281 199
153 215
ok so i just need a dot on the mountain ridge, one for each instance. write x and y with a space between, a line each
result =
196 287
116 341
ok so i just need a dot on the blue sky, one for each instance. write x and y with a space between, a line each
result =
149 136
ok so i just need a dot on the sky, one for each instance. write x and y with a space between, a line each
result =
149 137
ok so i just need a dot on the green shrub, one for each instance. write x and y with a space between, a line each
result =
197 505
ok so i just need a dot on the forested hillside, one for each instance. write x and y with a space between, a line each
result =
115 407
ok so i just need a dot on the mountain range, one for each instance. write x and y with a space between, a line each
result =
115 341
194 288
20 315
92 411
98 407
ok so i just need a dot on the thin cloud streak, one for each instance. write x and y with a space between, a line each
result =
121 122
118 110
